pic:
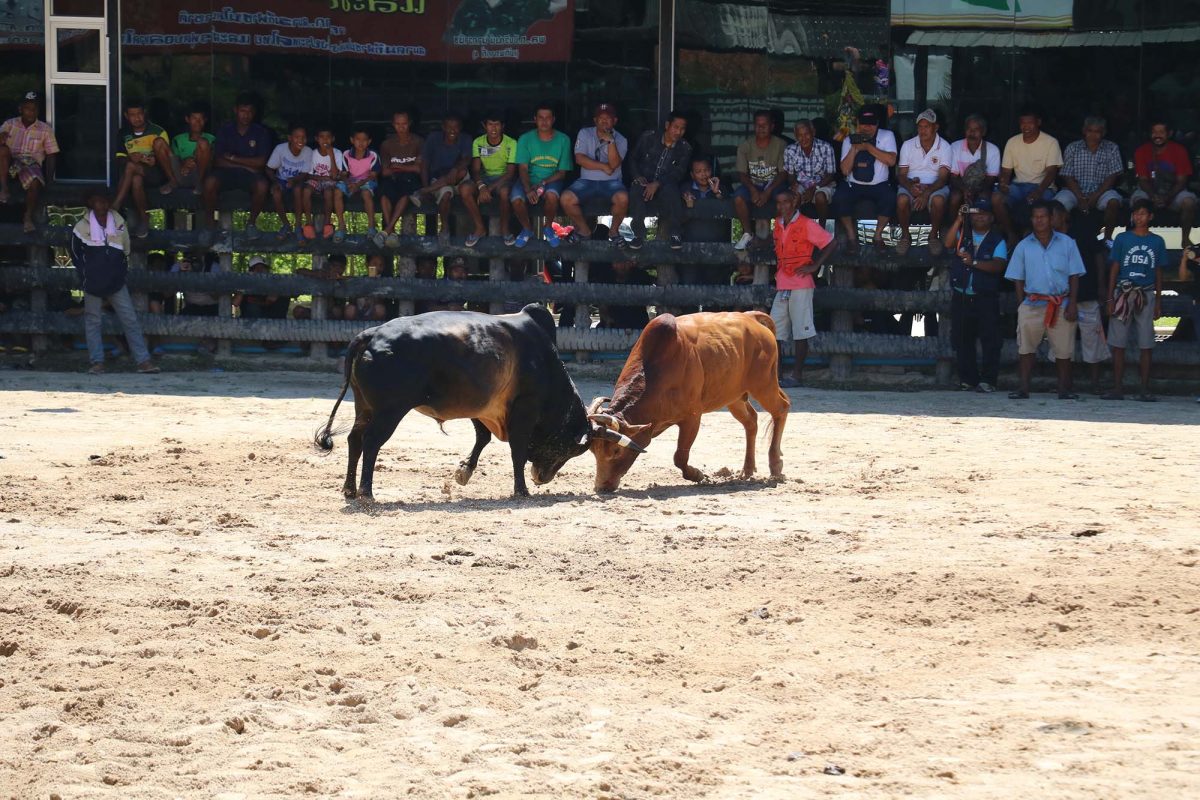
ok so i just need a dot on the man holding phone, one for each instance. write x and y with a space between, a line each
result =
867 158
599 152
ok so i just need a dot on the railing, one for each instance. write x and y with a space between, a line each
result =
841 345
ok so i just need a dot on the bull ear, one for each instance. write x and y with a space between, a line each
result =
619 438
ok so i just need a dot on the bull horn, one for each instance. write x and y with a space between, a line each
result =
619 438
598 403
604 420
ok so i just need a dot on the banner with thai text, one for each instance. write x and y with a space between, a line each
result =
458 31
1025 14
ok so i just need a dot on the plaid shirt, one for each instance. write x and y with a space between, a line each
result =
36 142
809 169
1091 169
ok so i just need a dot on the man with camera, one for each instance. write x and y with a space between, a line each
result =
980 257
867 157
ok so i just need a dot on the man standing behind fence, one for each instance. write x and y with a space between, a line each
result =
797 239
99 250
1045 268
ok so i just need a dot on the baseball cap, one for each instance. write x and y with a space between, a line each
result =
982 204
259 261
868 116
929 115
30 97
605 108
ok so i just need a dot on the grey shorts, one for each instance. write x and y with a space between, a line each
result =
792 313
1137 332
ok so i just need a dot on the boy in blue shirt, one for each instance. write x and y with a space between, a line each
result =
1135 297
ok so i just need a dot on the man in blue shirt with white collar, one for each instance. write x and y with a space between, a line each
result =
1045 266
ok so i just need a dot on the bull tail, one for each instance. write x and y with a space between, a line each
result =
323 438
764 319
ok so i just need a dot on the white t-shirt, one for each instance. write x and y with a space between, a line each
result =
961 157
327 166
885 141
287 164
923 166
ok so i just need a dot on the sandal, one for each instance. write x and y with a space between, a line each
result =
1018 395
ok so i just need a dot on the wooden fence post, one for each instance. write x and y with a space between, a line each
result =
497 270
583 311
406 266
225 300
667 275
842 322
39 256
319 351
762 232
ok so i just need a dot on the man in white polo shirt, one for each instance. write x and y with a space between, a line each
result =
924 178
867 158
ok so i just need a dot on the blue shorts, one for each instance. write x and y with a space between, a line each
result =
744 193
518 191
1019 192
369 186
880 196
587 190
282 183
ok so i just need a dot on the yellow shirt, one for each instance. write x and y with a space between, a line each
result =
1030 161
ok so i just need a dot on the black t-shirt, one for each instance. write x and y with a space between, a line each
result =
624 317
1095 261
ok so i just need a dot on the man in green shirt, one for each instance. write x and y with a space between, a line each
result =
543 160
192 151
146 155
493 167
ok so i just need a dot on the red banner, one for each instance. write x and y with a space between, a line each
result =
459 31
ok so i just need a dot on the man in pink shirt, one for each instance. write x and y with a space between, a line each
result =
28 152
797 240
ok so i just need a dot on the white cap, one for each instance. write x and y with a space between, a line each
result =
256 260
929 115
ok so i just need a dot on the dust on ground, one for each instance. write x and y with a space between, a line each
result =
950 595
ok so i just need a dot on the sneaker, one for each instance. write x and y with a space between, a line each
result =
965 387
573 238
391 240
339 236
415 199
551 237
509 240
617 241
284 232
473 240
376 237
96 369
148 368
636 243
523 238
985 388
743 242
327 231
676 241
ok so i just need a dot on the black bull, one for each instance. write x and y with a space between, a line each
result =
501 372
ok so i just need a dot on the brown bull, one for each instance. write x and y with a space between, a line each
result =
681 368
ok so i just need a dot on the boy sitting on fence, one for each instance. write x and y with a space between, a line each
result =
362 177
327 168
287 167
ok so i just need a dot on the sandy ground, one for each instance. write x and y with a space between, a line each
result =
951 595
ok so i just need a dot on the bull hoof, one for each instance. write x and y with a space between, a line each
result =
366 499
349 492
463 474
693 474
522 492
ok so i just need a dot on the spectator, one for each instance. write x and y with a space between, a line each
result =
261 306
797 240
1091 168
622 273
1135 273
760 174
29 153
1045 267
599 152
370 307
240 155
159 302
810 167
400 177
192 151
974 166
288 168
199 304
924 178
445 157
1027 171
146 150
660 160
99 250
980 257
361 178
328 167
426 270
701 184
334 270
1163 168
493 169
543 161
867 156
1093 347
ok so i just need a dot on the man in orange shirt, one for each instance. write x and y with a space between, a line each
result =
797 240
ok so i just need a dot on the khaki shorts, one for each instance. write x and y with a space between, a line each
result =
1094 347
792 313
1031 327
1136 333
